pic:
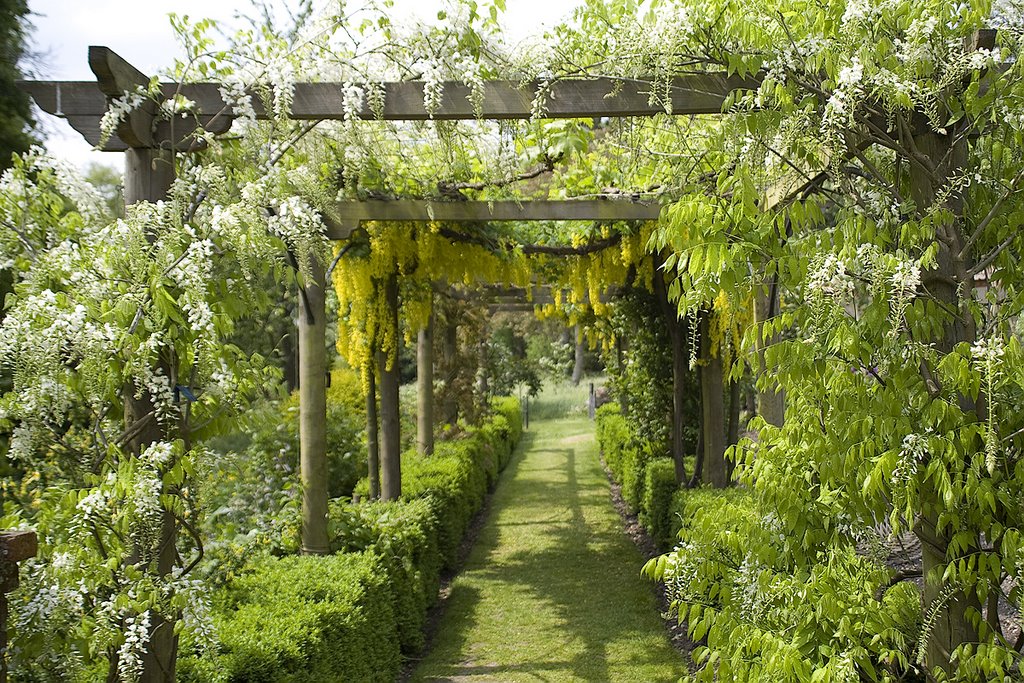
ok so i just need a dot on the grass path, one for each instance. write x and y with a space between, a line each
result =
551 591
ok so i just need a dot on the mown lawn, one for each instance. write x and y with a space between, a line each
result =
551 591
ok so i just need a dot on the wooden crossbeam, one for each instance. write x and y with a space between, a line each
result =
83 103
348 215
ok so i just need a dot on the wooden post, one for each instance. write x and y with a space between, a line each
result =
15 546
592 402
425 388
712 408
390 434
313 411
372 445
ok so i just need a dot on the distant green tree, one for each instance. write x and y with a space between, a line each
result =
16 122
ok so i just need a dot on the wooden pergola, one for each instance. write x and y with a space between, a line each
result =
149 144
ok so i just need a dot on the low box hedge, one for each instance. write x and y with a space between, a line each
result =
349 616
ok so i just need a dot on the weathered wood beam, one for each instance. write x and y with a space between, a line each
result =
348 215
83 103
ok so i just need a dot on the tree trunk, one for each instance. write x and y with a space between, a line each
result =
771 400
425 389
577 368
712 409
372 447
148 176
390 431
313 411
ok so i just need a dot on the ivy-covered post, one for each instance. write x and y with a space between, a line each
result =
680 366
951 625
313 410
149 174
390 431
15 546
712 402
425 388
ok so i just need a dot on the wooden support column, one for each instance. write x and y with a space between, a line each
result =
15 546
313 410
372 443
712 409
390 431
425 388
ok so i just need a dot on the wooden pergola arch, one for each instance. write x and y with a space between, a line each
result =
149 144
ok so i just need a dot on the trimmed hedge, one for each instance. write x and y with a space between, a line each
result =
404 535
656 509
304 619
350 615
648 479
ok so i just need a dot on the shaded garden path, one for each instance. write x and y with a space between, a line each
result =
551 591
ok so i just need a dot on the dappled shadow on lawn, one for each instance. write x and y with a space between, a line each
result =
559 593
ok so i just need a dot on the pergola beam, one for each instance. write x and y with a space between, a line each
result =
348 215
83 103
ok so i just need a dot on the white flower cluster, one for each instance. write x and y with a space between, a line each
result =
281 76
70 183
118 110
193 272
129 655
433 87
988 355
196 617
857 11
916 46
95 505
913 452
830 280
905 280
235 93
1008 15
469 72
300 227
840 105
179 105
352 98
158 454
154 383
989 352
747 588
